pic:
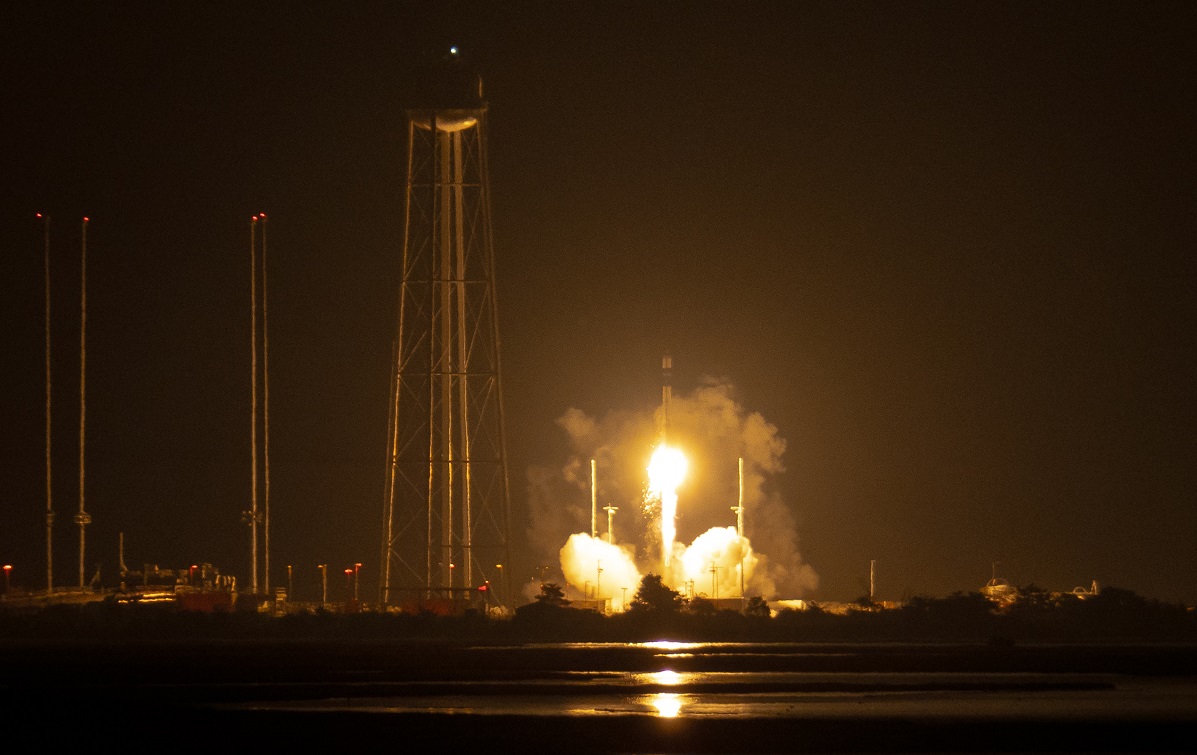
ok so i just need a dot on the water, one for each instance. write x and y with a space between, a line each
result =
727 697
395 694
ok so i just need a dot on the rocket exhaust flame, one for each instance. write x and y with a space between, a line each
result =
666 471
720 562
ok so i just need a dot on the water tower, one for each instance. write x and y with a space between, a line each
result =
447 502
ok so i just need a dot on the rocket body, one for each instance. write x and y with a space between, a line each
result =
666 394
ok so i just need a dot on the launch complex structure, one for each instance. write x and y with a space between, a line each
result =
446 512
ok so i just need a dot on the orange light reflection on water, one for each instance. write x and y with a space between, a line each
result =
668 704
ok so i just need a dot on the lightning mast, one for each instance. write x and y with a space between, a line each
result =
265 419
82 518
593 501
739 509
253 407
49 497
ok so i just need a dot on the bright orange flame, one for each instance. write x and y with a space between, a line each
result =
666 470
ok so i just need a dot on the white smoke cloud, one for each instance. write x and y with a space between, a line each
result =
722 550
714 430
600 569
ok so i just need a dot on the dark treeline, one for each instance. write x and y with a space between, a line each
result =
657 612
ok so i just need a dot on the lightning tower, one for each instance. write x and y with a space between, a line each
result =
447 503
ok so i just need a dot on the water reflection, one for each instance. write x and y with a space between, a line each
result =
667 645
668 704
666 677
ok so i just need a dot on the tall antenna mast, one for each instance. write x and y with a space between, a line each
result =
49 498
82 518
593 501
739 509
265 411
253 410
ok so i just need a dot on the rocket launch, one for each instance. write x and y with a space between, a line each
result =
666 470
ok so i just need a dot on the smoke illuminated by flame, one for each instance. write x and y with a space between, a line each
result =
601 570
666 470
706 556
713 563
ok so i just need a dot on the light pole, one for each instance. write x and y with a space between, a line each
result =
356 570
872 582
323 583
7 577
348 582
289 583
598 578
502 585
625 598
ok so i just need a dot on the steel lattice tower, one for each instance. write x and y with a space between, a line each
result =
447 504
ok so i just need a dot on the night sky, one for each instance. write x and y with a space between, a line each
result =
946 249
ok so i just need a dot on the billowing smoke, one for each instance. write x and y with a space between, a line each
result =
713 431
711 565
598 568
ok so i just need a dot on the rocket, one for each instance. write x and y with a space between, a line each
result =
666 394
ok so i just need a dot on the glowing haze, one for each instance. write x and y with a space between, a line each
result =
709 431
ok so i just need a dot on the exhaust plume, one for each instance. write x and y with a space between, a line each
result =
712 430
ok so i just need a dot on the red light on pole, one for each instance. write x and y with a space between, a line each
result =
356 569
7 572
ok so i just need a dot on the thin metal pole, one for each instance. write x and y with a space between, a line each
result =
872 573
49 496
253 411
82 518
457 156
265 415
494 319
739 509
593 501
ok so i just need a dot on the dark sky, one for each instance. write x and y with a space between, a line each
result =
946 248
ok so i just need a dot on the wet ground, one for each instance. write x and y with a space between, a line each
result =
651 697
